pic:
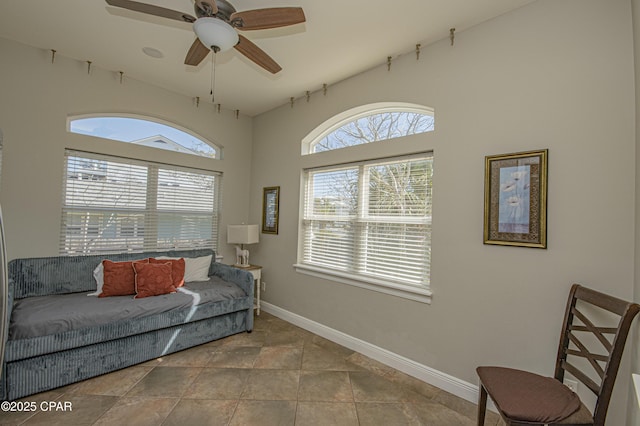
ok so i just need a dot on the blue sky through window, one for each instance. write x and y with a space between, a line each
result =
135 130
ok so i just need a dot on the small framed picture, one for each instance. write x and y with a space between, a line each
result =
270 207
515 199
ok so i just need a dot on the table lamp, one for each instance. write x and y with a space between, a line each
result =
241 235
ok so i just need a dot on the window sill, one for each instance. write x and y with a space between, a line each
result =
421 295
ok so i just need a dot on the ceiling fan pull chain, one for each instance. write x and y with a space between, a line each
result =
213 75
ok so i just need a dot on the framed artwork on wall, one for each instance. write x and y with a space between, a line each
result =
515 199
270 208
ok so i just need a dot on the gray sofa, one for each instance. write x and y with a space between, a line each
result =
43 353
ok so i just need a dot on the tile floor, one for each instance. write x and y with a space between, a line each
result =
278 375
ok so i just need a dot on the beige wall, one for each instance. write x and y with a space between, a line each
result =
556 75
36 97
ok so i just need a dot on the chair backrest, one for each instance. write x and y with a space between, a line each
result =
590 352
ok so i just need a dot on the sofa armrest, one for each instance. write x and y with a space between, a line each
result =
240 277
9 308
3 366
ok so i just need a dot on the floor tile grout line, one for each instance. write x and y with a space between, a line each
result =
169 413
235 410
353 396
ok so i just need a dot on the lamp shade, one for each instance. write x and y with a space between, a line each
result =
242 234
214 32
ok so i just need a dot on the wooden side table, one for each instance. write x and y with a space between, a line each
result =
256 271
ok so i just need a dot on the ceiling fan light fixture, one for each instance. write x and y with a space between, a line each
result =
215 33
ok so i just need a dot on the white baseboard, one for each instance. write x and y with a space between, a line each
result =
441 380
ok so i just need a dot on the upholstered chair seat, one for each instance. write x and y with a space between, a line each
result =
529 397
594 332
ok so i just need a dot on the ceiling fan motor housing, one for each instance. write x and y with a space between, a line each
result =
225 10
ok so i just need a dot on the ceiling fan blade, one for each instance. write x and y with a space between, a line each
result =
260 19
150 9
257 55
209 8
196 54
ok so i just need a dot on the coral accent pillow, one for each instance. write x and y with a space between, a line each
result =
177 269
119 278
153 279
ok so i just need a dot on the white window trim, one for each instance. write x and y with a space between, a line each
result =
353 114
417 294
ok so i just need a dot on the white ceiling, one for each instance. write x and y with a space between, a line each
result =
339 39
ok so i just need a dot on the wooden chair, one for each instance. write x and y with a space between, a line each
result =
524 398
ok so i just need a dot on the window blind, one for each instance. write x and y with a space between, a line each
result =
370 219
111 205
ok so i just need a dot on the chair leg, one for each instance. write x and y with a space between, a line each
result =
482 405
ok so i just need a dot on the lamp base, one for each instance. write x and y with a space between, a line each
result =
242 257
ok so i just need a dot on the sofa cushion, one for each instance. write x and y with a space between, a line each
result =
45 324
153 279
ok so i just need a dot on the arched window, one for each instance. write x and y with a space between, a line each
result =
367 221
367 124
144 131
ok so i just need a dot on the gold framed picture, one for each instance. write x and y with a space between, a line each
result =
270 208
515 199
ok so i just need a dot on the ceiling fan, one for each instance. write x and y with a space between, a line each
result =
216 25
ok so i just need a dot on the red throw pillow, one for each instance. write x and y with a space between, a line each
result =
177 269
119 278
153 279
